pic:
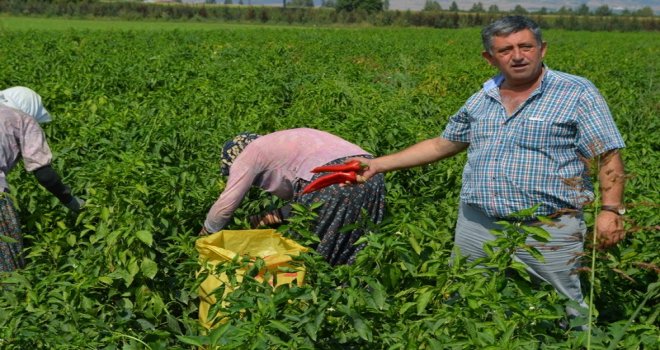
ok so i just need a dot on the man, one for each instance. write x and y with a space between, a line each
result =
528 132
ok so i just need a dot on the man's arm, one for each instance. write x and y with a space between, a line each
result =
611 176
425 152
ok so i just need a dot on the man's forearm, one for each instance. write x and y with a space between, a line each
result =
612 178
422 153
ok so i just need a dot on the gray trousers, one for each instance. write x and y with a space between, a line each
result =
562 253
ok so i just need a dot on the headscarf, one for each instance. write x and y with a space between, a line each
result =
26 100
233 148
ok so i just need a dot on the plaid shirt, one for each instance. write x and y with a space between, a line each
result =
534 156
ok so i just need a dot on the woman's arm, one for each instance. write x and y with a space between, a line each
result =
241 179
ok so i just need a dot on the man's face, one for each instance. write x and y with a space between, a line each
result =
518 56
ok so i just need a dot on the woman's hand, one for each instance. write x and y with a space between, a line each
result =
75 205
271 218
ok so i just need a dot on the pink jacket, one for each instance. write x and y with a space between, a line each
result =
20 137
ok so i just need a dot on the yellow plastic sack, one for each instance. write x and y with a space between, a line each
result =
269 245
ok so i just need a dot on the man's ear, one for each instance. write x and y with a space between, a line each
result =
544 47
488 57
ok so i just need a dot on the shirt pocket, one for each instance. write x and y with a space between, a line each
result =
539 133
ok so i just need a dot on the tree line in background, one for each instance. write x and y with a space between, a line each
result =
372 12
582 10
434 5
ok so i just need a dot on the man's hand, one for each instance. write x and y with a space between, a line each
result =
610 229
368 170
203 232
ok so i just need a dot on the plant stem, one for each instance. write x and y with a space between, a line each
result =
592 274
131 337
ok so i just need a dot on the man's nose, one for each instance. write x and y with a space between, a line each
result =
517 54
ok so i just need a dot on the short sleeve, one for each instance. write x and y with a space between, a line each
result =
597 132
458 128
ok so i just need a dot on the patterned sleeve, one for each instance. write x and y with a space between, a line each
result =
597 132
34 148
458 127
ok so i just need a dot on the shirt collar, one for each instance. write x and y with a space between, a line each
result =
492 84
544 81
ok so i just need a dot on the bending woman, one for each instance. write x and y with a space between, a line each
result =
21 136
281 163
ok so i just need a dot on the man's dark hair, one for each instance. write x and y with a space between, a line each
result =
509 25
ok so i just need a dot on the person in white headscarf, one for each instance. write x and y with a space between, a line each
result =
21 137
26 100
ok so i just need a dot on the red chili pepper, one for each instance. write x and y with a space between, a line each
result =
353 165
330 179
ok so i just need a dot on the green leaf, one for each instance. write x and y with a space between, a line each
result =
7 239
535 253
71 239
414 244
105 214
538 233
197 341
488 249
149 268
525 213
133 267
146 325
311 329
145 237
362 328
377 293
406 306
280 326
521 268
473 304
423 300
123 274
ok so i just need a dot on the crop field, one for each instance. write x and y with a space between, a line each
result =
141 112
